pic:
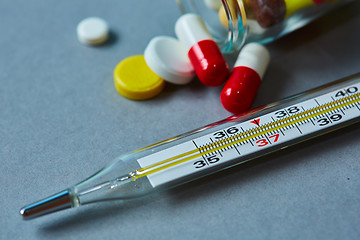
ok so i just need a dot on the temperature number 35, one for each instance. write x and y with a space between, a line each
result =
209 160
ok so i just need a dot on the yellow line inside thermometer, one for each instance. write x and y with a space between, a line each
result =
250 134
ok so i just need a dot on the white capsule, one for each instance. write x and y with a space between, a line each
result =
190 29
209 64
241 88
254 27
254 56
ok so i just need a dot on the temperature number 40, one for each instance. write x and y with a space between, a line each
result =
343 93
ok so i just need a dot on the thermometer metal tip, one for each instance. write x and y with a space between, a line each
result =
57 202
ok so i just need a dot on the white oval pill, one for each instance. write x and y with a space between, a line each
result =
168 59
93 31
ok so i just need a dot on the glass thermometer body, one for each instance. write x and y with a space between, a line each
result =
215 147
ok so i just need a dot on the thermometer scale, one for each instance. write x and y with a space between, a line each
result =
227 143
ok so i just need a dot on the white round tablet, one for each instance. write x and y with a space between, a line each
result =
93 31
168 59
213 4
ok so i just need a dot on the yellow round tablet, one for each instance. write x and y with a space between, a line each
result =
135 80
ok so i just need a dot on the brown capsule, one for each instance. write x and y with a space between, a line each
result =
268 12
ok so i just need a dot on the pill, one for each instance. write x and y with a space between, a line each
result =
133 79
213 4
204 54
270 12
293 6
254 27
240 90
167 57
93 31
223 17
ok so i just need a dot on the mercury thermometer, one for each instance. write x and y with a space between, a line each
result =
235 140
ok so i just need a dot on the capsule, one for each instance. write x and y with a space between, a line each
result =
204 54
271 12
241 88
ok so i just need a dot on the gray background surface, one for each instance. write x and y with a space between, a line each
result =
61 119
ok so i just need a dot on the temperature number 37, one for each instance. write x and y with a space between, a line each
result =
263 142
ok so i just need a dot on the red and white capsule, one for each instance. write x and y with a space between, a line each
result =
204 54
241 88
